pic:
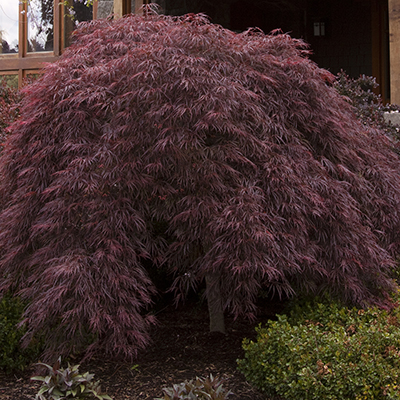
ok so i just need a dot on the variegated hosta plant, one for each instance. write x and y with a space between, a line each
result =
209 388
68 383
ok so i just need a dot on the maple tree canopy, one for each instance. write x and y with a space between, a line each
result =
206 152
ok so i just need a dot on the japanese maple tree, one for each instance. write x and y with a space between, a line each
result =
226 158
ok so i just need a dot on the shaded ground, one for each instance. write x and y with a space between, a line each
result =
182 349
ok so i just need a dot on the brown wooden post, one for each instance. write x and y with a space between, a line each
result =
394 43
118 8
138 6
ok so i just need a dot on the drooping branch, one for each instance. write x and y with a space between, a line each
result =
169 141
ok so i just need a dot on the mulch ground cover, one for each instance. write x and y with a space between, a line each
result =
182 348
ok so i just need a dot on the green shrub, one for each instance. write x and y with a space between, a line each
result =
12 355
68 383
9 99
209 388
326 351
368 106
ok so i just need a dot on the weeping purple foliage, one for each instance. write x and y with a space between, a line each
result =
236 142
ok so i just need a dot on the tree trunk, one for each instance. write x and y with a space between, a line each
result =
214 300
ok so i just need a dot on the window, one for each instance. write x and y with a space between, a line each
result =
34 32
9 28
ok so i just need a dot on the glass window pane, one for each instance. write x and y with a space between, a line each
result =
31 77
9 12
77 11
81 11
40 25
10 80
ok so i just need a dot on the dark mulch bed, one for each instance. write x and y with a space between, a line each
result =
181 348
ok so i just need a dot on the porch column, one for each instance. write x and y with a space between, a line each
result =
138 5
118 8
394 43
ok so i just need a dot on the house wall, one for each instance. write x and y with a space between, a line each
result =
355 40
394 42
347 43
360 34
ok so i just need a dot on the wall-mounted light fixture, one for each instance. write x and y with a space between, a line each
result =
319 28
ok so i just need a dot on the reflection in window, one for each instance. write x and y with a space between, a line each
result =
9 12
10 80
40 25
76 12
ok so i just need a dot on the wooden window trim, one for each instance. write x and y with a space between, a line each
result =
26 62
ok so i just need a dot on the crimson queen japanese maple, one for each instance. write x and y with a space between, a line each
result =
235 144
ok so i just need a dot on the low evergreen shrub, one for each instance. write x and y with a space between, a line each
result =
12 355
322 350
9 99
368 106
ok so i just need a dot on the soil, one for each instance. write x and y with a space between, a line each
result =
182 348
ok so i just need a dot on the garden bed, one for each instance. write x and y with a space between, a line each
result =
182 348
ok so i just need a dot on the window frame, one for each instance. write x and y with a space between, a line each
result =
24 63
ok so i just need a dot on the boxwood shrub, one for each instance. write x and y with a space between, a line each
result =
9 111
322 350
368 106
12 355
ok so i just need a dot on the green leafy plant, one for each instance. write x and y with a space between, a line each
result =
67 383
12 355
9 99
322 350
368 105
135 367
209 388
